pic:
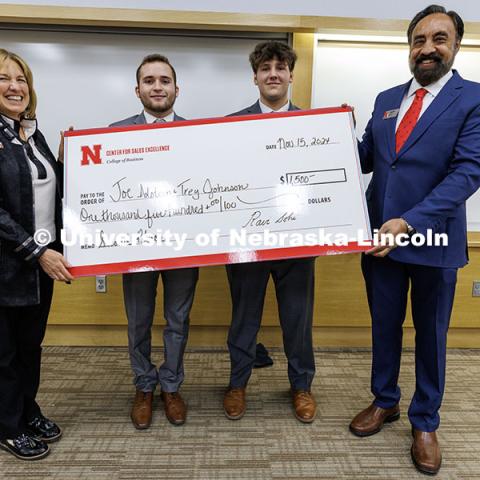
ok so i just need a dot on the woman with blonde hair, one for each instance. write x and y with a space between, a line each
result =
30 259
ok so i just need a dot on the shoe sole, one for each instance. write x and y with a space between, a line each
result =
31 459
421 469
49 440
231 417
390 419
263 365
305 420
52 439
140 426
176 423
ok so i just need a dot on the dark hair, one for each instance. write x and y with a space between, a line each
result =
430 10
266 51
156 57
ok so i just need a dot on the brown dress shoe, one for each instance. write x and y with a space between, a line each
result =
425 451
371 420
234 403
175 408
304 405
141 413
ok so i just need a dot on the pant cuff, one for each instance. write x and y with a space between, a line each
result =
386 405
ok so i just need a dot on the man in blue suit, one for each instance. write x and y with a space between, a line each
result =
423 146
157 90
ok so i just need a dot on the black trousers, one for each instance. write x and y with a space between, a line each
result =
21 333
294 287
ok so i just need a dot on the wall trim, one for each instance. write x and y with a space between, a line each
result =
126 17
329 337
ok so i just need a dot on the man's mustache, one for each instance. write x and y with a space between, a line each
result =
432 56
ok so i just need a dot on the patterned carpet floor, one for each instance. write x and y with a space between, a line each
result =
89 392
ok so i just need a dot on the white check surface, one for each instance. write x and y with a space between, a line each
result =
294 174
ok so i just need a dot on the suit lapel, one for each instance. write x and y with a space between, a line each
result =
255 108
440 103
140 120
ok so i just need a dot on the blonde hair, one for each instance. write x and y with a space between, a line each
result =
32 104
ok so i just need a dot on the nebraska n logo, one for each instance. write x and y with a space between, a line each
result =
91 156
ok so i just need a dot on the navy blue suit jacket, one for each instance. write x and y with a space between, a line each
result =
434 173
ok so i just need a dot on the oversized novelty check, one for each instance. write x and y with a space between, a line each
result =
213 191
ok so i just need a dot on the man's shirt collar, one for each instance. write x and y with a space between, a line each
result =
434 88
151 118
265 109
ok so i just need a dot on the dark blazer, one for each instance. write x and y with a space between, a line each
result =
19 269
139 120
255 109
434 173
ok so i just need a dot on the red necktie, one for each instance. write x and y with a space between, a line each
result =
410 119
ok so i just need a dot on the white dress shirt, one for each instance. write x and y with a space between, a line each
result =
266 109
152 119
433 90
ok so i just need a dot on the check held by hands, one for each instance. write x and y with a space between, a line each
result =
346 105
52 262
55 265
61 146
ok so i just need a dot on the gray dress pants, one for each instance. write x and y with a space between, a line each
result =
140 291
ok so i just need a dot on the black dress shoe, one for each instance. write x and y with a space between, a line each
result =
25 447
262 359
44 429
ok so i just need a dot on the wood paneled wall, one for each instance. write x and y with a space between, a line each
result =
82 317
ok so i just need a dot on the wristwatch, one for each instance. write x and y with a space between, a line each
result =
410 230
